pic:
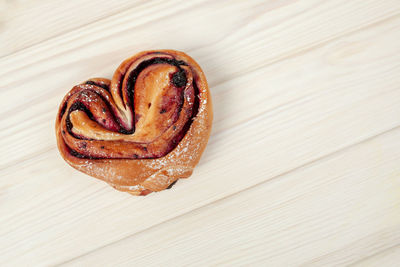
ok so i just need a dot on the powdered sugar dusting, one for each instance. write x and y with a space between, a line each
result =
157 173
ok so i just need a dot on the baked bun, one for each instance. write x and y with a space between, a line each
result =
142 130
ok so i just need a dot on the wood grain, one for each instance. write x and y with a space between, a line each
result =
302 167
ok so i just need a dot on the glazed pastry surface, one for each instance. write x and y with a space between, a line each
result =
144 129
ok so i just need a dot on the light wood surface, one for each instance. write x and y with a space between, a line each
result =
303 165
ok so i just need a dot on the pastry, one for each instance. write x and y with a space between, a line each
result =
144 129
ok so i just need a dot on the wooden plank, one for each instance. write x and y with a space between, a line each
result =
389 257
333 206
18 32
286 93
252 35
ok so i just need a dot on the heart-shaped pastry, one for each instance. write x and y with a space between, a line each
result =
142 130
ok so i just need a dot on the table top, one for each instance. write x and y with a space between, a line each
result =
303 163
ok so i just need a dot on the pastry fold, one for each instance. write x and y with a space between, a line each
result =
144 129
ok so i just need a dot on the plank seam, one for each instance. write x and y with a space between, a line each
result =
304 165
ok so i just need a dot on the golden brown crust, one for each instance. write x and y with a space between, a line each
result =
172 130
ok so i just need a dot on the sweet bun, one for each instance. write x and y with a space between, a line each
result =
144 129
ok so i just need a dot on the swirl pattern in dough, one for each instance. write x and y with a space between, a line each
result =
142 130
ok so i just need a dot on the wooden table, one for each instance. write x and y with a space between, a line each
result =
303 165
